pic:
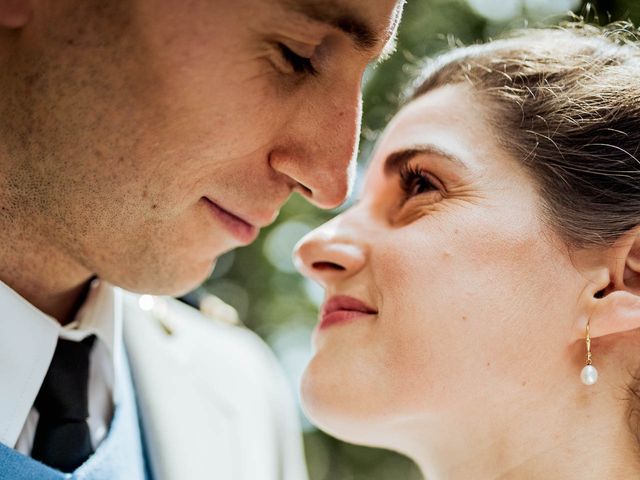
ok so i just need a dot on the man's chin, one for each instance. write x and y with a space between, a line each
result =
174 284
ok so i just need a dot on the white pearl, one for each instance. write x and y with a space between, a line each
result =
589 375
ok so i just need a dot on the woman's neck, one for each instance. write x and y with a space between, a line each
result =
588 437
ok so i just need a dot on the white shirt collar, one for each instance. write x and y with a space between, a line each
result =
29 338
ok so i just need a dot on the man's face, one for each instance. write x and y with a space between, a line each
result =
146 138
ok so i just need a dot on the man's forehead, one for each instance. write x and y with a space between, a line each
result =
371 25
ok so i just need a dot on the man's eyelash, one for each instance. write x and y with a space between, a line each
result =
298 63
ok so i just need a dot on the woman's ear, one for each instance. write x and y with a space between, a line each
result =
616 306
15 13
631 272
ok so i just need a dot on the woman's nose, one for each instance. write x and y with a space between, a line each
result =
326 254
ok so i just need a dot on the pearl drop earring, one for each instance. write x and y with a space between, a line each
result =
589 374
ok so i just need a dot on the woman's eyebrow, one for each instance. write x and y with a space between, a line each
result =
396 160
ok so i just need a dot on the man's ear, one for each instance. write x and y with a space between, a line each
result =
15 13
615 307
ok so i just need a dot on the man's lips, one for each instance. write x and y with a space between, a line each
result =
239 227
342 308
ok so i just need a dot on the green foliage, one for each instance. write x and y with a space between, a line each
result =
279 304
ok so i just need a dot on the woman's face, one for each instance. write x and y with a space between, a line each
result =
467 298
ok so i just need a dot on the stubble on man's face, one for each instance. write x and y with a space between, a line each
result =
122 118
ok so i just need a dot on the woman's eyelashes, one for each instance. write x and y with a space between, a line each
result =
415 181
298 63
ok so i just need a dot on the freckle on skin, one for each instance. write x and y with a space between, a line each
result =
488 364
154 206
524 383
464 317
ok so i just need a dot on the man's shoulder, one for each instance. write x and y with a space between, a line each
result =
194 336
214 385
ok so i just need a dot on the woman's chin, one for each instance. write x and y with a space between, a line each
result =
335 408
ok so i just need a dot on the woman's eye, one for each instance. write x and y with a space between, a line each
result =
415 181
298 63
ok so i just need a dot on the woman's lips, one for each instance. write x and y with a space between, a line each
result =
239 228
342 308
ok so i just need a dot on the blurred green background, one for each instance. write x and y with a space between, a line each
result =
260 281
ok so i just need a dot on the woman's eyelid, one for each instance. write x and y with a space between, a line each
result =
435 181
417 168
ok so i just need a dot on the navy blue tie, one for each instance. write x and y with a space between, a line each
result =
63 439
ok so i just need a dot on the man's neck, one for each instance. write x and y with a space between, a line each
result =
44 277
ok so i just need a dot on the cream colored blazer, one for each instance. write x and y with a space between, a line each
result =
213 401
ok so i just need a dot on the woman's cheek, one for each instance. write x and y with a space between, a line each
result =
412 304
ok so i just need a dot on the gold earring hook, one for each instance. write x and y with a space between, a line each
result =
589 374
588 345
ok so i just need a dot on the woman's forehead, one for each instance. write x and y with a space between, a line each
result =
446 120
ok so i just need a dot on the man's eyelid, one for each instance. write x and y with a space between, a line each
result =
301 40
302 49
371 55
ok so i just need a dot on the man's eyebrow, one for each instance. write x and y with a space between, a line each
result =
396 160
340 17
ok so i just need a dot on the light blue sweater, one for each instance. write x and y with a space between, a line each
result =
119 456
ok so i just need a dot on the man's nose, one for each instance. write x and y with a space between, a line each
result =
330 253
326 133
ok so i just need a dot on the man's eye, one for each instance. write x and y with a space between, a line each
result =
298 64
415 181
